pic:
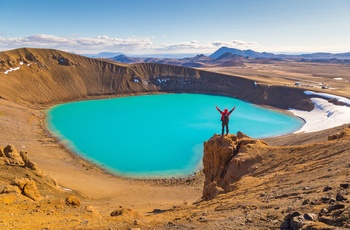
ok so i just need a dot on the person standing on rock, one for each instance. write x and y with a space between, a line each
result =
225 117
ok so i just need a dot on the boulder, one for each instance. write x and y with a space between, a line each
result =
122 212
20 183
292 221
73 201
30 164
27 163
211 190
340 197
297 222
30 190
27 188
310 216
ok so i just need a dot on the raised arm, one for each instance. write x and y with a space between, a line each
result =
219 109
232 110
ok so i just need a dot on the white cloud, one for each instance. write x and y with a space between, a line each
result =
99 43
186 47
236 44
206 47
105 43
146 45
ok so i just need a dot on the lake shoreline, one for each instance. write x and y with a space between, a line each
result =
114 125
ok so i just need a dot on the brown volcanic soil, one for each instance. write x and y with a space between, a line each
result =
297 169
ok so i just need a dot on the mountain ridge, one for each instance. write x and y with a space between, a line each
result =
247 56
243 53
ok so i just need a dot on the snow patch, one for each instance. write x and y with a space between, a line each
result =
162 80
11 69
325 115
66 189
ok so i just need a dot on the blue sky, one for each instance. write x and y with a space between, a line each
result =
176 26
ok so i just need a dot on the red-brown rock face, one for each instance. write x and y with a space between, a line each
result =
226 159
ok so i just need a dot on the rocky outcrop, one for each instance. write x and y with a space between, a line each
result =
27 186
30 164
11 156
31 190
63 61
340 135
24 186
31 57
226 159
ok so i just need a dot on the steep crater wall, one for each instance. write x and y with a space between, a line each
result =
46 77
219 84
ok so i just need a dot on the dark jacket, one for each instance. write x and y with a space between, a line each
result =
225 115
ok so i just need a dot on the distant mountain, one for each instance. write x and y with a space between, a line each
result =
104 55
124 59
233 57
196 61
347 55
229 59
229 56
180 59
243 53
321 55
253 54
201 57
197 58
200 60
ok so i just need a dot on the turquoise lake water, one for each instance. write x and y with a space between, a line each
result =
157 135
